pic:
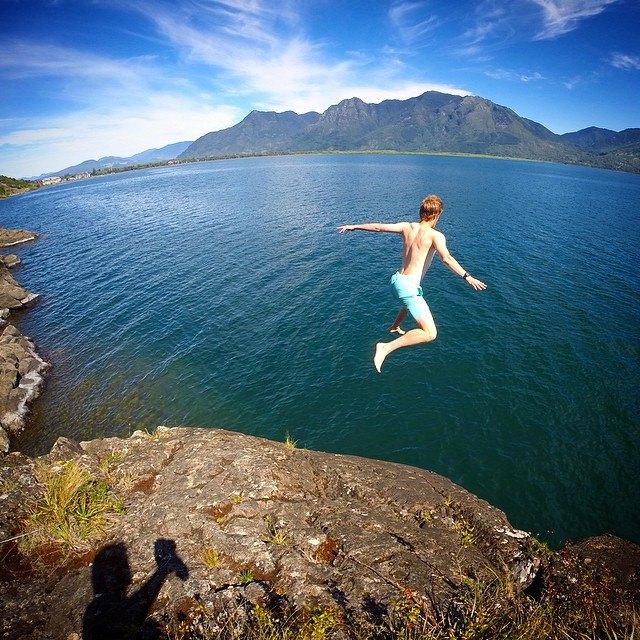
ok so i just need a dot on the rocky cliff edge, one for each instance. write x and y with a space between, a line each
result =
21 368
203 533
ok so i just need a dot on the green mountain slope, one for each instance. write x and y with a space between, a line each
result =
598 140
433 121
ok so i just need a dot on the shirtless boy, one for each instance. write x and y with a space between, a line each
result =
420 242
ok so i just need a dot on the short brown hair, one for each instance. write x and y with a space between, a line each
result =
431 207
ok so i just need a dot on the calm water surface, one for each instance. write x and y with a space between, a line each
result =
219 294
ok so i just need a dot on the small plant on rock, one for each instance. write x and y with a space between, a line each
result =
7 486
320 623
278 537
425 517
539 548
246 576
289 442
465 531
112 459
210 558
275 535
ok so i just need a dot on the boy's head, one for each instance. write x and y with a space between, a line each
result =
431 208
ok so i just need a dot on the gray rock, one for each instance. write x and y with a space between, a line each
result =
21 368
21 377
323 528
12 295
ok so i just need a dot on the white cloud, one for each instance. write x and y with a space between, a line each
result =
491 26
496 23
562 16
32 59
69 139
624 61
280 71
406 18
504 74
30 136
111 107
573 82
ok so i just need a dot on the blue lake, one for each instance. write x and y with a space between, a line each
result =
219 294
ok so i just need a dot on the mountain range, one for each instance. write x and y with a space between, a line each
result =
433 121
168 152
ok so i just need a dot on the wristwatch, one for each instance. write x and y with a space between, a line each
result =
465 276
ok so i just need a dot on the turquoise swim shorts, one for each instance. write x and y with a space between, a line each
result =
410 294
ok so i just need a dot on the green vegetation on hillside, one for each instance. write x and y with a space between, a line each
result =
433 122
11 186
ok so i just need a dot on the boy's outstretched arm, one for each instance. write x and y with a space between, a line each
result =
449 261
397 227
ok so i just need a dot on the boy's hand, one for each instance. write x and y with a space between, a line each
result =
345 227
478 285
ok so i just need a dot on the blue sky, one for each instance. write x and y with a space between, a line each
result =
92 78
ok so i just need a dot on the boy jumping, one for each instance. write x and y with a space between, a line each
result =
420 242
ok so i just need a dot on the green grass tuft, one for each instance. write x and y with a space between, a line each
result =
246 576
72 508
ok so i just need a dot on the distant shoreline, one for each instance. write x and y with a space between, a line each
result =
14 187
324 152
331 152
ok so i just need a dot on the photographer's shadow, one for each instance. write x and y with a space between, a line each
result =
114 615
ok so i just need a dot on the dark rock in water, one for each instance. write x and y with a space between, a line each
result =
21 370
10 260
217 521
608 554
12 295
10 237
604 568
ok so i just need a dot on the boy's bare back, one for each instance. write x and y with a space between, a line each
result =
418 248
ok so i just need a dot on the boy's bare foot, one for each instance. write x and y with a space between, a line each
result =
397 329
379 355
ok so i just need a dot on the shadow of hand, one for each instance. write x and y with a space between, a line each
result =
168 560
